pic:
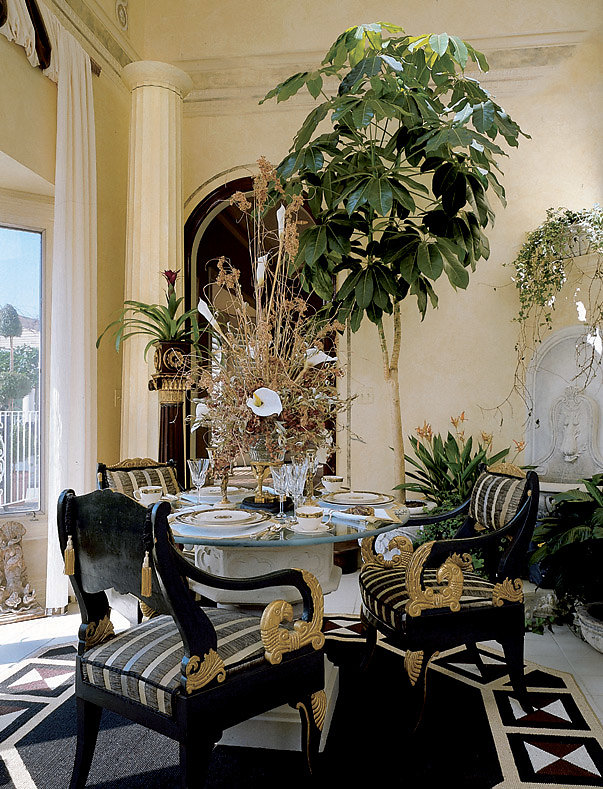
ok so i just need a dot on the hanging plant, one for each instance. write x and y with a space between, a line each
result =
543 266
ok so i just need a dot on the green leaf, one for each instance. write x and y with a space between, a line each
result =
359 196
455 196
315 243
314 85
439 43
460 50
429 260
309 126
483 116
364 289
380 195
322 281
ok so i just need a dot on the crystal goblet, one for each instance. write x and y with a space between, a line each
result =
198 468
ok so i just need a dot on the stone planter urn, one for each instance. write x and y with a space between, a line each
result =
590 618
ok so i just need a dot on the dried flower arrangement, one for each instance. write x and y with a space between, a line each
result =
268 379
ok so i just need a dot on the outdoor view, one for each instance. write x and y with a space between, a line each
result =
20 276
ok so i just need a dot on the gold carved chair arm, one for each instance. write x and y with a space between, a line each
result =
399 561
278 640
449 576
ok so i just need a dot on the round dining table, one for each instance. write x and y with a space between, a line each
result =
268 545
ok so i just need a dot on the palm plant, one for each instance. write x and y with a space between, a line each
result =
159 322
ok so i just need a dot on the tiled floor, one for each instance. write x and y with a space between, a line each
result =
560 650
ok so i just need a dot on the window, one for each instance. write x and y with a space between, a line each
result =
20 383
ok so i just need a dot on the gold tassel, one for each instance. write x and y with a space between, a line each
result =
69 557
147 577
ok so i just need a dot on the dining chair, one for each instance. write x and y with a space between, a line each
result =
430 599
129 474
189 672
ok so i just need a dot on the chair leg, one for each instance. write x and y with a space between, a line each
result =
416 664
195 756
312 711
370 633
88 722
513 650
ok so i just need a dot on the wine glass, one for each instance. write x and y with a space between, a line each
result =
198 468
296 483
279 482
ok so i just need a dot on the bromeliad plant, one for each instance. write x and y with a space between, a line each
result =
398 182
158 322
445 470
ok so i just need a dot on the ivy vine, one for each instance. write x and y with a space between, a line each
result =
542 267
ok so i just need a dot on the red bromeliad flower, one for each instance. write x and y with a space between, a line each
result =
171 276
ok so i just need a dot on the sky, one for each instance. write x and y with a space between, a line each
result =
20 266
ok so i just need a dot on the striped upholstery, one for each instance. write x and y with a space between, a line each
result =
384 592
126 480
143 663
495 499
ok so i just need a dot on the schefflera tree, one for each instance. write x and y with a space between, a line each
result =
398 184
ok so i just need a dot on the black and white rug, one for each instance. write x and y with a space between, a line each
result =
473 733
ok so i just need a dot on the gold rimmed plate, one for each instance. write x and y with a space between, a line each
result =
214 518
351 498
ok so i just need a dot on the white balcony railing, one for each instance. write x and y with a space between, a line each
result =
19 460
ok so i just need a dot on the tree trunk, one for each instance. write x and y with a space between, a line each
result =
392 381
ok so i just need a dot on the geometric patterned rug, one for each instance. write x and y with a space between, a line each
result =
560 744
557 746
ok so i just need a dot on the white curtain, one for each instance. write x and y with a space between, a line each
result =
71 356
19 28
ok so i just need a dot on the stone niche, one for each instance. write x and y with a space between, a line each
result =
565 436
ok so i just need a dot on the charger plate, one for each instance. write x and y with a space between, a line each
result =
219 523
352 497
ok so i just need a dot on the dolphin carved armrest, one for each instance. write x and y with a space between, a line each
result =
449 576
279 640
399 561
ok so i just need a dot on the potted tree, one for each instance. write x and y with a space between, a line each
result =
399 183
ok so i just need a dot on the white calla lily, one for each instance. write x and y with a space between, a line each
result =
260 271
205 311
314 357
280 218
201 411
265 402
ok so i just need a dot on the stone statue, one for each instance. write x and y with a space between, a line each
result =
16 594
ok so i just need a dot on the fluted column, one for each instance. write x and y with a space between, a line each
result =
154 233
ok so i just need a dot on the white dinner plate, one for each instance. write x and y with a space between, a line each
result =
362 497
211 492
219 518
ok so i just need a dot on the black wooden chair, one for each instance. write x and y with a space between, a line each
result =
430 599
187 672
132 473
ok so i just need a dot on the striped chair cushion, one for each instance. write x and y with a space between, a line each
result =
144 662
126 480
495 499
384 592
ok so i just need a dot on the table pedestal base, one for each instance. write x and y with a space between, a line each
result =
280 728
229 562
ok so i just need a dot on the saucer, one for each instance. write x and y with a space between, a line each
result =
326 527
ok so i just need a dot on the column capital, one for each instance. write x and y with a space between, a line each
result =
143 73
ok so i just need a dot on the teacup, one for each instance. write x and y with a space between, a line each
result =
309 517
332 484
148 494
